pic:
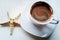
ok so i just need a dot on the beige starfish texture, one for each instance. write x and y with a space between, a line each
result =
12 23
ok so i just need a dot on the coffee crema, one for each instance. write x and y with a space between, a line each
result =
41 13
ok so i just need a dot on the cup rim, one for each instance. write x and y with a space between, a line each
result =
39 22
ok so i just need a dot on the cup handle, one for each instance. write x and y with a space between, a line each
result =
55 21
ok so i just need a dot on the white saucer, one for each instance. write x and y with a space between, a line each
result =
40 31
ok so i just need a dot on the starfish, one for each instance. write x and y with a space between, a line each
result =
11 23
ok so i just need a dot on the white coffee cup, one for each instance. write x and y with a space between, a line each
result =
41 3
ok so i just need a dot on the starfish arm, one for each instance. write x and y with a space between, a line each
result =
16 24
5 24
16 18
11 28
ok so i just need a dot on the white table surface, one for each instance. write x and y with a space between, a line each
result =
14 7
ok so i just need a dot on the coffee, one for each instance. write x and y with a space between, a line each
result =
41 13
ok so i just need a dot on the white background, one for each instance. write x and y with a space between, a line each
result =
14 7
